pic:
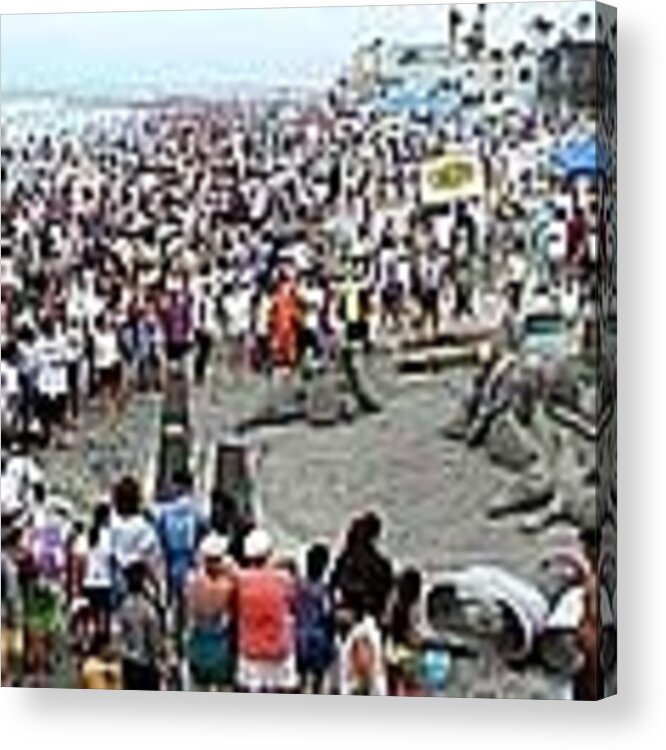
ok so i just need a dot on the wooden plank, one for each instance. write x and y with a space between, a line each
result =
461 334
436 360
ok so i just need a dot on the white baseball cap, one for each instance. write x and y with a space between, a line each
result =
213 546
484 351
258 544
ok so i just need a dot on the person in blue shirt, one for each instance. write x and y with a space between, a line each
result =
181 524
315 627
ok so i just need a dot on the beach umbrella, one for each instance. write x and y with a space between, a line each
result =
578 158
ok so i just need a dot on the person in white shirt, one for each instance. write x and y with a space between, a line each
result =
205 327
133 537
91 304
517 269
238 314
75 355
27 364
10 389
312 299
98 570
431 278
108 364
51 355
21 483
362 660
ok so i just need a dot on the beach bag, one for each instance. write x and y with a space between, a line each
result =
436 664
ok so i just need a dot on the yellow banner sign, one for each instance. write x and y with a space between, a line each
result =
451 177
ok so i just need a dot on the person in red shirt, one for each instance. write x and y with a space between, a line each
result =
265 621
577 238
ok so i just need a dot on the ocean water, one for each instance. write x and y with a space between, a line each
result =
70 71
22 115
77 110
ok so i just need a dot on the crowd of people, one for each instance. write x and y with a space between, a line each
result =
272 240
286 238
153 597
166 595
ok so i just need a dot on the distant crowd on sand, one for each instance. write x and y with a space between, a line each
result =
211 232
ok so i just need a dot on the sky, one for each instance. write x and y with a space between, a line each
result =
197 51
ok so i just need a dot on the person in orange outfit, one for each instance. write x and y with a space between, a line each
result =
284 323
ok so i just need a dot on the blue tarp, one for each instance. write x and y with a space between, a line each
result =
401 101
579 157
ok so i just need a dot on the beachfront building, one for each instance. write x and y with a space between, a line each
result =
510 80
567 78
464 84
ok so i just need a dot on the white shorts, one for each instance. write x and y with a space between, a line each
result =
257 675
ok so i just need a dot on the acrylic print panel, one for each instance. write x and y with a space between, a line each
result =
308 350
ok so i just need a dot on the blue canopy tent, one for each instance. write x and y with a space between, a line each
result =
398 102
416 103
579 157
